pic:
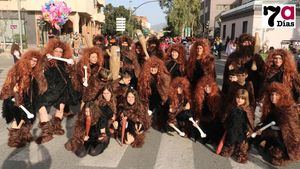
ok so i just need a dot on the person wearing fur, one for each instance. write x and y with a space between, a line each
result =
91 132
244 56
153 87
128 59
137 119
24 82
281 67
180 104
139 52
92 60
201 62
153 47
239 124
122 85
175 60
99 41
283 139
60 78
208 99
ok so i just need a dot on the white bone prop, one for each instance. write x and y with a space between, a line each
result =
253 135
182 134
69 61
28 114
202 134
85 83
143 42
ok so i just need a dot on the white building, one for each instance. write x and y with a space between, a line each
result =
247 18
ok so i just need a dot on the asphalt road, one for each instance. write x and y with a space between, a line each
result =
160 151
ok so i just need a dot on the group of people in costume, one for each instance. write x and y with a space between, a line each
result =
163 90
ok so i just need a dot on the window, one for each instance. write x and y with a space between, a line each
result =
245 25
233 31
224 32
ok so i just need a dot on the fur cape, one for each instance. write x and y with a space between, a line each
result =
287 118
77 139
213 100
178 102
154 50
94 83
163 79
136 113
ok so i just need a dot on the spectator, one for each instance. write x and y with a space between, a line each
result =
15 51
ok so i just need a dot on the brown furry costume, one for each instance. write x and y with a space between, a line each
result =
200 66
97 114
30 82
128 57
153 47
60 76
176 67
286 74
178 102
284 113
162 79
139 52
90 92
239 122
208 109
136 114
245 57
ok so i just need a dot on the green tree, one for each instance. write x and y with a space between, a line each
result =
111 13
182 14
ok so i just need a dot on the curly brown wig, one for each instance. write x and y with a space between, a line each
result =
288 65
245 37
125 39
200 92
183 83
84 60
194 55
144 83
181 55
286 99
21 73
98 38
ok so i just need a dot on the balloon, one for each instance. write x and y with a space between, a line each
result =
56 13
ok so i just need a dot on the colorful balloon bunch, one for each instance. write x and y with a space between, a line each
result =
56 13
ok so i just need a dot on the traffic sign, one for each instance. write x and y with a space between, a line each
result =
120 24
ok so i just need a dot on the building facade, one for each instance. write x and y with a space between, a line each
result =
247 18
210 19
86 17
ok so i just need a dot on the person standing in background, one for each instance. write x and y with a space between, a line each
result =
15 51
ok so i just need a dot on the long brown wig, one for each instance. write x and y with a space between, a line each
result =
21 73
288 65
183 83
144 83
181 55
194 55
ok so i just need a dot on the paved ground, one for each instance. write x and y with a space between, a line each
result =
161 150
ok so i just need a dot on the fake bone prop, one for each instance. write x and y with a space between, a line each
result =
202 134
69 61
182 134
28 114
85 83
253 135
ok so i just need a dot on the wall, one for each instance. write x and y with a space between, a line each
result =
238 26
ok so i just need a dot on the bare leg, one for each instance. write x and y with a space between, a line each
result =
88 121
60 112
43 114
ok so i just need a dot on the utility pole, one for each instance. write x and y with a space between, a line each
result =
20 24
204 19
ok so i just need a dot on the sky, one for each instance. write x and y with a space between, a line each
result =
151 10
